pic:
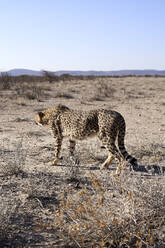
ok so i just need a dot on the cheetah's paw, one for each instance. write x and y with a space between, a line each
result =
54 162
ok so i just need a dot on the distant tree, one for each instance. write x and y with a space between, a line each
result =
50 76
66 76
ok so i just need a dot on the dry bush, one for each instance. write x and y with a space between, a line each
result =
5 81
66 77
28 79
50 77
72 174
10 82
30 92
24 86
69 77
6 224
131 215
101 90
14 157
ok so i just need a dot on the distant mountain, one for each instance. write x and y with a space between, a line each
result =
114 73
18 72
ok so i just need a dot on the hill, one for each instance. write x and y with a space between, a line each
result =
18 72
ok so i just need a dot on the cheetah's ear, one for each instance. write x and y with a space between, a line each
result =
62 107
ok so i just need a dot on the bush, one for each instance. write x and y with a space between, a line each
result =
5 81
50 77
14 157
131 216
7 236
101 90
30 92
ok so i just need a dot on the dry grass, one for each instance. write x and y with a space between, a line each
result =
103 90
7 214
14 157
101 209
74 204
23 86
30 92
100 90
128 216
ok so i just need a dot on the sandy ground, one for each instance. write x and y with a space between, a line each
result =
141 100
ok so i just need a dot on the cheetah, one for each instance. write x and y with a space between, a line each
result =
106 124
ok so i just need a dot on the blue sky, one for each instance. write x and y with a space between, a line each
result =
82 34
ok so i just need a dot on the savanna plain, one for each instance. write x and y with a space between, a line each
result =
75 204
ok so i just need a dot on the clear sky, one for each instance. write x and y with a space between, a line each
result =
82 34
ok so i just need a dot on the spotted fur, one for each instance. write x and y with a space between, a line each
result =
107 125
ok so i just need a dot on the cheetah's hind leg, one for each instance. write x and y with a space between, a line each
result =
113 153
107 161
54 162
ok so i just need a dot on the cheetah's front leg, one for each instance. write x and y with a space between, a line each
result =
57 148
72 145
58 141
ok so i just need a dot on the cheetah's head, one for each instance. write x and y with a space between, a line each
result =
42 118
45 117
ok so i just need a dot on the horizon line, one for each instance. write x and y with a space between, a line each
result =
89 70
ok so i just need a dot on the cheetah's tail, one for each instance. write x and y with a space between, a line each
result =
121 145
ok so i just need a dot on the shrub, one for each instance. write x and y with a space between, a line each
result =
102 90
7 236
30 92
5 81
50 77
66 77
14 158
131 216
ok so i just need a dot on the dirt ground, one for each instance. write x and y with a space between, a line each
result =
30 189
